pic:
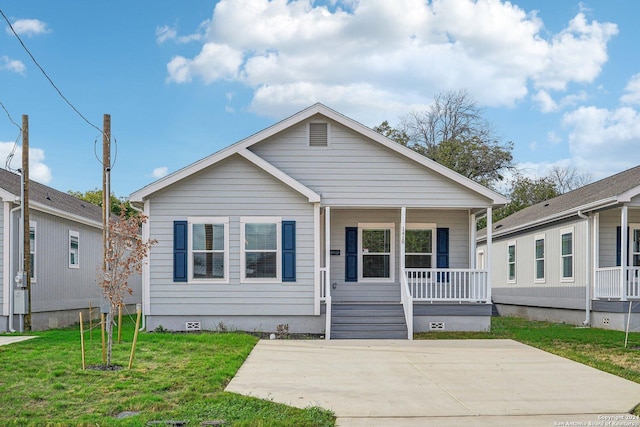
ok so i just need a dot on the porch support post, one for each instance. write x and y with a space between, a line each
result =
327 274
472 241
489 244
403 226
316 258
624 223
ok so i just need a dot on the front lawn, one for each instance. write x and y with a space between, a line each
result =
177 377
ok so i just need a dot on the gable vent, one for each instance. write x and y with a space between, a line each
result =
318 135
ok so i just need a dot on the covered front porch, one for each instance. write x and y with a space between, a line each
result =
419 264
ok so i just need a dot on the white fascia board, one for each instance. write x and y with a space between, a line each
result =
628 195
7 196
258 161
66 215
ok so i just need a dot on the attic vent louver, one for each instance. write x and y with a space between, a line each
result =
318 135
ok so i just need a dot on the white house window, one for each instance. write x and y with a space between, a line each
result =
74 245
511 261
567 254
419 245
376 251
260 258
209 249
539 258
32 250
635 244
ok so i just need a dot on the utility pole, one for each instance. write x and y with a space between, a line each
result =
106 182
25 217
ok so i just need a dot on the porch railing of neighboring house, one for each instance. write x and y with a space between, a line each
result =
608 283
447 284
325 296
407 304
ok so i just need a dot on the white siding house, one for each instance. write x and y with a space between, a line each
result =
66 249
321 224
561 260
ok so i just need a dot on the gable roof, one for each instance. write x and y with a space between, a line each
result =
243 145
49 200
616 189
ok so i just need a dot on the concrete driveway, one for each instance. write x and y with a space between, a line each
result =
8 339
440 382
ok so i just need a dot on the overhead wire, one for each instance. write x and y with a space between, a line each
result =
7 164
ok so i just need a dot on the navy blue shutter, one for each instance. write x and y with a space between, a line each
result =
442 248
351 253
619 246
180 234
288 251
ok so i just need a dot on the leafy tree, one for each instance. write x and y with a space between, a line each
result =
95 197
454 133
527 192
125 255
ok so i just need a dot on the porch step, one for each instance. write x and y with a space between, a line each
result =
368 321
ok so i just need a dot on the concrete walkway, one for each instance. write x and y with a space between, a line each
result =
7 339
440 382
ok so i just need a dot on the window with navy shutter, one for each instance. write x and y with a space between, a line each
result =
288 251
351 254
180 241
442 248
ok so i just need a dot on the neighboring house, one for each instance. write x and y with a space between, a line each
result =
563 260
316 224
65 250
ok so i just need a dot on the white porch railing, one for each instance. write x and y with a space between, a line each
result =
447 284
407 304
325 296
607 283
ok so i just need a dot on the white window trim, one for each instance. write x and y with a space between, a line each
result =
425 226
392 256
564 231
328 135
207 220
544 258
480 259
243 260
32 249
515 262
632 228
77 236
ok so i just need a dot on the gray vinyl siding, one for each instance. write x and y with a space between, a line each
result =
607 235
456 220
554 291
2 266
58 287
234 188
355 171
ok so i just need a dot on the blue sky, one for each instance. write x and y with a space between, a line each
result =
181 80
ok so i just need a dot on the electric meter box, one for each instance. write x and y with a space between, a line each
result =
20 301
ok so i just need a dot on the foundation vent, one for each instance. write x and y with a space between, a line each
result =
605 320
193 326
436 326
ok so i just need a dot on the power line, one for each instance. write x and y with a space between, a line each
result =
46 75
7 164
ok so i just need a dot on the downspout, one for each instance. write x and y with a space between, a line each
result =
587 318
144 318
11 240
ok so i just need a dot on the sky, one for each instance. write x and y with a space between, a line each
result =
182 80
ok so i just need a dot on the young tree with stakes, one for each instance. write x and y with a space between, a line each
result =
126 254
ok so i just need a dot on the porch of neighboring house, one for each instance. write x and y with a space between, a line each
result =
390 272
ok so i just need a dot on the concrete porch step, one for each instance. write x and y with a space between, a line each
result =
368 321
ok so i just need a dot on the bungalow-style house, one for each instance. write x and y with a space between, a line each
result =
574 258
320 225
65 251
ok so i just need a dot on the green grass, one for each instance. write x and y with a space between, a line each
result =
174 377
598 348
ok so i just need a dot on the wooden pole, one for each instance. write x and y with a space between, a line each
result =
90 322
82 342
104 348
135 335
27 229
106 169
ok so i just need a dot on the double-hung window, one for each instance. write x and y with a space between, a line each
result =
539 258
511 262
74 246
419 244
260 249
567 254
209 249
376 251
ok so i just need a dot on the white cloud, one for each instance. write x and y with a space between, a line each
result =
166 32
12 65
160 172
29 27
38 170
378 53
545 103
632 91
